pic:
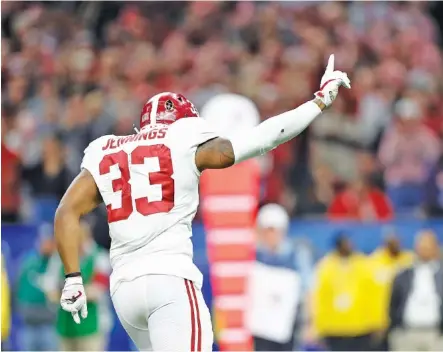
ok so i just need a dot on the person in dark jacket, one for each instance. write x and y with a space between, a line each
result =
416 309
49 177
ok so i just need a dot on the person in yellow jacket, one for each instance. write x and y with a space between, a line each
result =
341 305
385 262
6 307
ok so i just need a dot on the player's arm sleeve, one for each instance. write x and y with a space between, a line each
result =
273 132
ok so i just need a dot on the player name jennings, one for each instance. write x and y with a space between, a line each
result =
154 133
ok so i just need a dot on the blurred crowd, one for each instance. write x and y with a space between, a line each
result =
73 71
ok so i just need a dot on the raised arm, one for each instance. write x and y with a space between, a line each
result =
219 153
81 198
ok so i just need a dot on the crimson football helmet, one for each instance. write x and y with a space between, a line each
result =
166 108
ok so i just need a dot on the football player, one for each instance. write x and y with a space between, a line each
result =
149 182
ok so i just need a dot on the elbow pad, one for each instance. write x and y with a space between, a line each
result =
273 132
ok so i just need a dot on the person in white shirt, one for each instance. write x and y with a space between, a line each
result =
275 311
149 183
416 309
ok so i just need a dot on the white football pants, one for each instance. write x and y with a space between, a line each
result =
164 313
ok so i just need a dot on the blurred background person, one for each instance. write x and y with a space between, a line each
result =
10 170
342 301
48 179
6 307
91 334
384 263
408 151
315 198
37 313
416 308
434 191
277 255
361 201
335 136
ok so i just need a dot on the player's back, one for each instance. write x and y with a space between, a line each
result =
149 183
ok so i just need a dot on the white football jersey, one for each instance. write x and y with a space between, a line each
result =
149 183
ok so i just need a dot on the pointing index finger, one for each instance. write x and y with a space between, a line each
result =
330 65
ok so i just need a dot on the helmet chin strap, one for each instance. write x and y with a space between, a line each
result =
135 128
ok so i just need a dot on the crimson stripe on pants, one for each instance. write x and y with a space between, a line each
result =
192 301
199 335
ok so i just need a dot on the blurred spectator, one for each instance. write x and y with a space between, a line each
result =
369 169
314 198
342 300
385 262
48 179
10 171
101 120
408 151
38 315
277 257
76 132
416 309
91 334
361 201
336 139
434 190
6 307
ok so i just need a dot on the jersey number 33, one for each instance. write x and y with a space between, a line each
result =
162 177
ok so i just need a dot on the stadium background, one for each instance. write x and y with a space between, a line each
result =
73 71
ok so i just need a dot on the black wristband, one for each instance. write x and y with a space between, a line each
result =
76 274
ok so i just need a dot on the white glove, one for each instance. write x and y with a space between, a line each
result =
330 82
73 298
